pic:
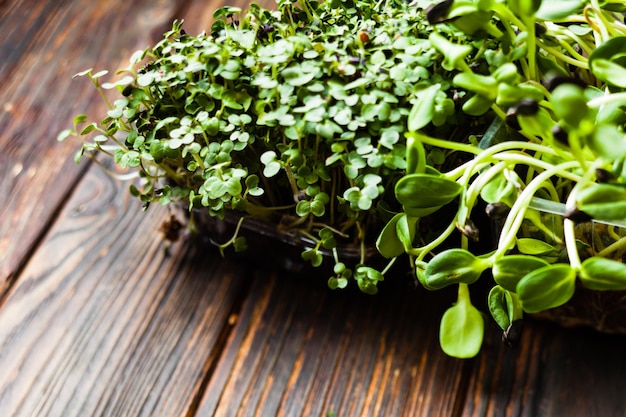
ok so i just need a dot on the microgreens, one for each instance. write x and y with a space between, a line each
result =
294 113
329 119
557 145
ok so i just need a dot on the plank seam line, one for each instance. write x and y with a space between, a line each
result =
13 277
217 351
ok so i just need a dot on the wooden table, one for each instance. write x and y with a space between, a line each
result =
96 320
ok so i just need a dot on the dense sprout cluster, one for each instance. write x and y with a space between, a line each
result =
360 125
298 113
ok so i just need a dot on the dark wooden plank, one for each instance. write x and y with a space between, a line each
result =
44 44
198 16
554 372
102 323
300 349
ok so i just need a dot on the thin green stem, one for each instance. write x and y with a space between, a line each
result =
605 24
336 231
569 236
170 172
361 236
101 92
507 16
523 159
463 295
198 160
559 30
498 111
493 30
568 225
531 42
446 144
292 181
118 176
472 193
600 32
224 245
459 171
617 245
422 251
389 265
580 63
534 216
606 99
335 255
516 215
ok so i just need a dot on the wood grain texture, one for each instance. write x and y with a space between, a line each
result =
298 350
301 350
101 323
554 372
44 44
198 15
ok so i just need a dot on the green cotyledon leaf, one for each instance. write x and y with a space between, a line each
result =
547 287
425 193
509 270
602 274
504 306
462 328
603 201
453 266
